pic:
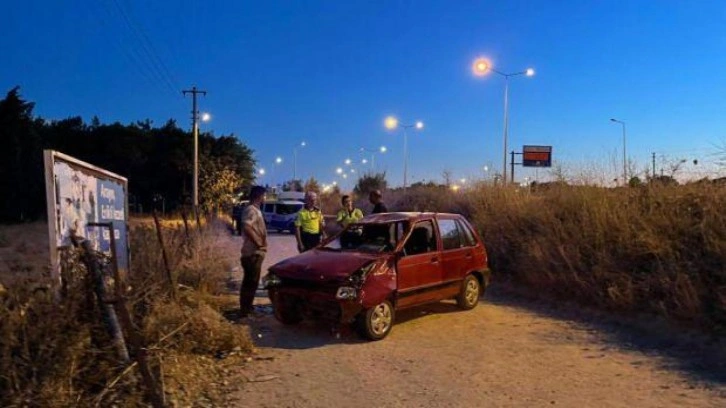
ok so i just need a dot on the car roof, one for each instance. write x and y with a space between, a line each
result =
284 202
403 216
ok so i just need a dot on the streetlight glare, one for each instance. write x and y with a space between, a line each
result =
481 67
390 122
384 149
529 72
339 170
347 161
206 117
419 125
364 161
278 160
303 144
262 172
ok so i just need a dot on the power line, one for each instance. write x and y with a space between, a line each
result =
147 49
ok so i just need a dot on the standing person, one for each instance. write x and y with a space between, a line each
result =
309 225
348 214
254 249
376 198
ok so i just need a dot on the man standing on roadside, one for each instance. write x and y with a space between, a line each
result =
309 225
376 198
254 249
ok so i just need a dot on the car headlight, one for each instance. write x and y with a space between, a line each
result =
346 292
271 280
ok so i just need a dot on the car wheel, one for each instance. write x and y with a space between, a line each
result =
468 297
375 323
287 312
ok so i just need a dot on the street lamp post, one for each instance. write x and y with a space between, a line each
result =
481 67
294 166
392 123
625 160
381 149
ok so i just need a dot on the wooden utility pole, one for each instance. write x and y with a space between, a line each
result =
195 130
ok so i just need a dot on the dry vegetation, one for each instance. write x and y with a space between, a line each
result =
59 353
655 249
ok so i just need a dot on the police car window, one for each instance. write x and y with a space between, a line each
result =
268 208
286 209
450 237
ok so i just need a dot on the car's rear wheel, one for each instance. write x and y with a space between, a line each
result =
287 312
375 323
468 297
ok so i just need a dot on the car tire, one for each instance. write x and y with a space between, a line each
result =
375 323
287 312
468 296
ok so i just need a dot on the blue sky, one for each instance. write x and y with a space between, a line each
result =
328 72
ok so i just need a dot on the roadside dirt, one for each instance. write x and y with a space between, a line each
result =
508 351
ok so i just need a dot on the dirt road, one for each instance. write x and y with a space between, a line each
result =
505 352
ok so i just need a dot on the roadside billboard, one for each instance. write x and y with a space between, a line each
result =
79 194
536 156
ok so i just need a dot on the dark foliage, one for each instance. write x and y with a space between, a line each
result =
156 160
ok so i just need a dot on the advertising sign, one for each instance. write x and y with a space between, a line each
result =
79 194
536 156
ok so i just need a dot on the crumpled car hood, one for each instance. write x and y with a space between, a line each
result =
321 265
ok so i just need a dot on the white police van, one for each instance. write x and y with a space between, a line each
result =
281 214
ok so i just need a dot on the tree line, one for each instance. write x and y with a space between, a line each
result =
158 161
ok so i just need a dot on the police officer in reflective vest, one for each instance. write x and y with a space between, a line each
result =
310 224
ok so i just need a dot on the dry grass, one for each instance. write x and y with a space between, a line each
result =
657 249
57 353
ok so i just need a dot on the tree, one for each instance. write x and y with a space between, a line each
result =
217 185
21 160
369 182
292 185
312 185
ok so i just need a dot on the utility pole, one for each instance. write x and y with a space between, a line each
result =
653 155
195 130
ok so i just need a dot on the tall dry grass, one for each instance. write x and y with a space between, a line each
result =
57 353
658 249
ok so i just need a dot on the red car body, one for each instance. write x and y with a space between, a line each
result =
382 264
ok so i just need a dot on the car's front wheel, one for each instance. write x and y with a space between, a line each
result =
375 323
468 297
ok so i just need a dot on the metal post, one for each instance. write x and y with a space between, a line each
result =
506 126
653 176
405 159
512 165
294 163
625 160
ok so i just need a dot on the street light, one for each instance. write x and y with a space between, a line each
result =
625 163
481 67
392 123
206 117
382 150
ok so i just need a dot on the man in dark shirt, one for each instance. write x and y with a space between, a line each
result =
376 198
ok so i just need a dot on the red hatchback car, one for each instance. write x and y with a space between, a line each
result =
384 263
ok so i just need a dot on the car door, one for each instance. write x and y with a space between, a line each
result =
453 252
418 267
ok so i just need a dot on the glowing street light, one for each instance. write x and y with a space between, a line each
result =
206 117
392 123
339 170
278 160
481 67
382 150
261 172
348 162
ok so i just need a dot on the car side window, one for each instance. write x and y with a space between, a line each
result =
268 208
421 240
467 237
449 234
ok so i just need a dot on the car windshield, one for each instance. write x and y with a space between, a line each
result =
369 237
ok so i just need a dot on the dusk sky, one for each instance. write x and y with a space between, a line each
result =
328 73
